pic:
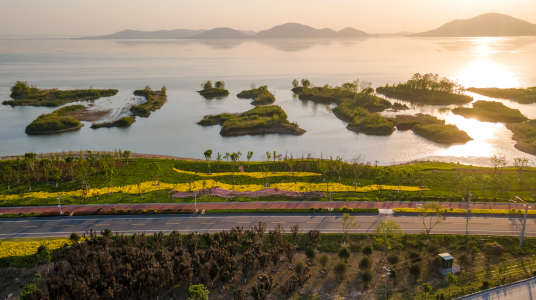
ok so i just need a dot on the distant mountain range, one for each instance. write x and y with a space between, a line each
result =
492 24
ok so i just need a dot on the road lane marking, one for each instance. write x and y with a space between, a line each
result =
314 222
102 224
208 223
172 223
278 222
137 224
64 225
243 222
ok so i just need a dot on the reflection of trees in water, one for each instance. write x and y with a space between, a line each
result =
286 45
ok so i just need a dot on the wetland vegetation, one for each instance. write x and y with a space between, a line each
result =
154 101
427 89
25 95
259 120
523 96
123 122
491 111
210 92
260 95
56 121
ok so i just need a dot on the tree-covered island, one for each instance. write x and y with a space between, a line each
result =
431 128
210 92
25 95
427 89
260 95
155 100
57 121
259 120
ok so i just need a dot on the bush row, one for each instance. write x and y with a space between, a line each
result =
292 210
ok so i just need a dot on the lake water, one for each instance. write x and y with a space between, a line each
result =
181 65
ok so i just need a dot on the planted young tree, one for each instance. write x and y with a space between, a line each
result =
263 259
239 293
366 276
367 250
213 271
248 262
296 233
198 292
290 250
289 287
344 254
208 156
365 263
274 255
249 156
302 277
388 234
415 271
340 270
426 288
348 223
323 260
314 237
260 229
193 240
75 237
452 280
430 215
311 254
126 155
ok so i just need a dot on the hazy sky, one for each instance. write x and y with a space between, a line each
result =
96 17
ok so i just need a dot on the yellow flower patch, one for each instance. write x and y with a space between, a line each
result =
418 210
152 186
258 175
10 249
502 211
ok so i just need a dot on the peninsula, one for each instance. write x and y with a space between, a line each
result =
431 128
491 111
524 135
259 120
155 100
25 95
523 96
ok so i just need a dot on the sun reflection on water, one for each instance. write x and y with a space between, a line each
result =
485 72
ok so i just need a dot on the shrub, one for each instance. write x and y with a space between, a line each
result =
298 267
340 270
365 263
75 237
367 250
485 284
393 259
366 276
432 248
415 271
323 260
344 253
415 256
494 249
310 253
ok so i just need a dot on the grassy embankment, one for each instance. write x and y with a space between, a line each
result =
427 89
260 96
440 182
491 111
431 128
56 121
524 96
524 135
155 100
259 120
479 256
210 92
25 95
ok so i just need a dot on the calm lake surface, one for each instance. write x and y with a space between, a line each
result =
181 65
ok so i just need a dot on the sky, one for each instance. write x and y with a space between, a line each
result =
99 17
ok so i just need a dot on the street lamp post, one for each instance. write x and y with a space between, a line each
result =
59 205
195 195
329 201
524 223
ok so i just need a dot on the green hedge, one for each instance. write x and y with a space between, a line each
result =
292 210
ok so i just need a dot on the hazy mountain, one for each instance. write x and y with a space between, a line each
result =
351 32
293 30
220 33
492 24
400 33
136 34
248 32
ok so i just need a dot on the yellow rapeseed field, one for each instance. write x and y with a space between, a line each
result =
19 249
151 186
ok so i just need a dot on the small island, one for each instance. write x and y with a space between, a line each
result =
123 122
25 95
155 100
491 111
427 89
523 96
370 123
57 121
524 135
210 92
397 106
259 120
260 96
431 128
359 92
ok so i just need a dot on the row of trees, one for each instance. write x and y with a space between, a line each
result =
432 82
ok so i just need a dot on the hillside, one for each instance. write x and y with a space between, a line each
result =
136 34
351 32
293 30
220 33
491 24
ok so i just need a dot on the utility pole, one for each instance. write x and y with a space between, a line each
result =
524 223
59 205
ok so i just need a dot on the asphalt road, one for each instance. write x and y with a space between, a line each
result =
64 226
519 291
